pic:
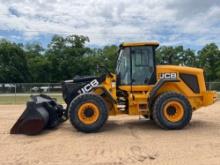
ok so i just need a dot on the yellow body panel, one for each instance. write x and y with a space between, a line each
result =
138 95
203 98
136 88
128 44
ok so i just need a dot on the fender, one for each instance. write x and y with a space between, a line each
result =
105 91
158 86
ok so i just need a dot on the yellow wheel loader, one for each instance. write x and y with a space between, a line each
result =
166 94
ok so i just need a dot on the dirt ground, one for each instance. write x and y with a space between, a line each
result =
123 140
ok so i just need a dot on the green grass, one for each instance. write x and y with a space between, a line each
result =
23 99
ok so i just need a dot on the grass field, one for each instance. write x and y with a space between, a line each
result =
23 98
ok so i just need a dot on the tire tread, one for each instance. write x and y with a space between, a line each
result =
162 98
78 101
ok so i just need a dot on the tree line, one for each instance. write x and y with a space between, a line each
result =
66 57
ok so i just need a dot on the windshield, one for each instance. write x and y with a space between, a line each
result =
119 60
123 66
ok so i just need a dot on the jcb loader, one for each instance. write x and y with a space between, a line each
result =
166 94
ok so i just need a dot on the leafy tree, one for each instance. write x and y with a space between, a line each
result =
13 64
209 58
175 56
165 55
65 56
38 64
109 57
187 57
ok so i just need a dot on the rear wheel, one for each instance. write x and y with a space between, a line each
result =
172 111
88 112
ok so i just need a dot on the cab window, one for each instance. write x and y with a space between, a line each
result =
142 64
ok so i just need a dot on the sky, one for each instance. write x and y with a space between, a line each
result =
192 23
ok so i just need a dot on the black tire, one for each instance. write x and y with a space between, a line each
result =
158 111
88 98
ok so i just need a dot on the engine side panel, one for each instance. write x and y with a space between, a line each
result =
191 84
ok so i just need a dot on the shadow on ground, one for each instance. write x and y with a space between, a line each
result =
140 125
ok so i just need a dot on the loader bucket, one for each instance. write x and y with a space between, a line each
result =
42 112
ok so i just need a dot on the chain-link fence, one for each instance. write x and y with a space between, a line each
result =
213 86
20 93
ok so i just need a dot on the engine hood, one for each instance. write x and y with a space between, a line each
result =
177 68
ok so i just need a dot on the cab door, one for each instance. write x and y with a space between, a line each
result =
142 65
136 68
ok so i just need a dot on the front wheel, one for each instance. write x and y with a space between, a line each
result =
88 112
172 111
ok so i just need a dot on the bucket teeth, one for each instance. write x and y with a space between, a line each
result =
41 113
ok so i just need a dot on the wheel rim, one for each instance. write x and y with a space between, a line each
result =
173 111
88 113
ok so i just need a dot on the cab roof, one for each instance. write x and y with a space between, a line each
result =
128 44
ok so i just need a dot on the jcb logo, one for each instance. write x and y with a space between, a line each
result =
88 87
168 76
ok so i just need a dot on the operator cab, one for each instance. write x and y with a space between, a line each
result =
136 64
